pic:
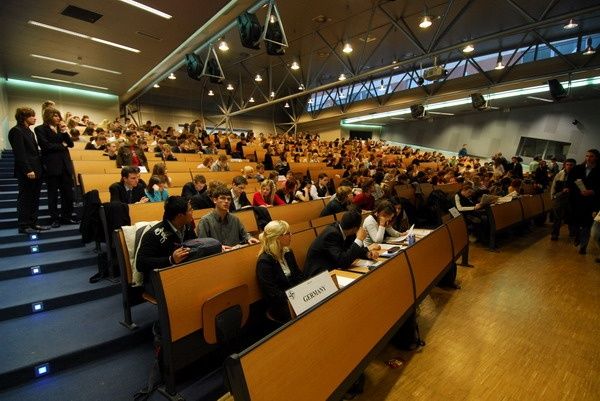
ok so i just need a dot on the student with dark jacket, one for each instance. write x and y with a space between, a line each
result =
276 268
339 203
130 189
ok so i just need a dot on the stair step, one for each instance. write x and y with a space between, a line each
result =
12 195
12 202
11 212
40 245
54 290
11 235
68 337
48 262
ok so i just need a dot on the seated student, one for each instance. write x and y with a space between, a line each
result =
160 169
98 144
194 187
379 223
303 191
260 172
474 212
267 197
239 199
130 189
161 245
276 268
339 245
155 190
222 225
340 203
365 199
110 151
288 192
221 164
322 189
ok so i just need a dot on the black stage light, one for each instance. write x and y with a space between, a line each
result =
250 30
417 111
556 89
479 103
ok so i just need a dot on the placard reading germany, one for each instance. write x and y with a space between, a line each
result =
311 292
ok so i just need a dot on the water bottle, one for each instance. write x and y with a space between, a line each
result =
411 239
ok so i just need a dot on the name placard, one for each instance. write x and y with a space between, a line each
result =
310 292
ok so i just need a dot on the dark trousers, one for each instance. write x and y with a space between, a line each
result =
63 184
561 214
28 201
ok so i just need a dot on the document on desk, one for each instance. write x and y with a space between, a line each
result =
365 263
343 281
421 232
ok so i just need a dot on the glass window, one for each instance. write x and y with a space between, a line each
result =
531 147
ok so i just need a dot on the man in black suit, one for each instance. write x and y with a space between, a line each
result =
339 245
193 191
28 170
239 200
587 201
130 189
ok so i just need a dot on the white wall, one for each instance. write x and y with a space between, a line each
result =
490 132
30 94
4 116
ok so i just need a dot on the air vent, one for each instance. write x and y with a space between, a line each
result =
81 14
64 72
148 35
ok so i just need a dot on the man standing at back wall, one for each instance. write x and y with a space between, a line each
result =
28 170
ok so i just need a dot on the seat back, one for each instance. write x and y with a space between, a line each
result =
224 314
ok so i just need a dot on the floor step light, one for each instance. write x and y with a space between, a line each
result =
33 237
34 248
37 306
35 270
42 370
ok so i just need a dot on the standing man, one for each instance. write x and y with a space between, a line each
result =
28 170
587 199
562 191
463 151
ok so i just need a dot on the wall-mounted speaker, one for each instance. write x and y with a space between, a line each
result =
194 66
417 111
250 30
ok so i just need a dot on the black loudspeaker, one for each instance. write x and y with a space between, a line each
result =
556 89
212 68
478 101
194 66
274 33
250 30
417 111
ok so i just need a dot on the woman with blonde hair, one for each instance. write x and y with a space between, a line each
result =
266 196
276 268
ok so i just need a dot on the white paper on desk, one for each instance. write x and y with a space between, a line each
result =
365 263
142 169
421 232
454 212
311 292
343 281
505 199
385 247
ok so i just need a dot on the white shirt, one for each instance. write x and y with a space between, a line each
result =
375 232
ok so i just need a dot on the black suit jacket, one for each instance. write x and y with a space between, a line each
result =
330 251
55 152
244 202
25 150
118 193
585 205
273 282
189 190
333 207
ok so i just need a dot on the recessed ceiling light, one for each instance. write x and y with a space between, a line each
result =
223 46
147 8
258 78
295 66
347 48
69 82
81 35
468 48
172 76
572 24
211 93
156 86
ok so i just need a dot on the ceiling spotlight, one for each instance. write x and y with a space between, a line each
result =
590 48
347 48
272 19
499 65
310 101
468 48
251 100
381 87
156 86
272 94
572 24
342 77
301 87
229 87
211 93
425 22
172 76
286 105
223 46
295 66
258 78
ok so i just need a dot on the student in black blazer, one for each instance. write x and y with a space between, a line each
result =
131 189
28 170
239 199
54 141
276 268
338 246
341 201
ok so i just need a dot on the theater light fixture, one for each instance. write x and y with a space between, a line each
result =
211 93
286 105
572 24
272 19
229 87
172 76
468 48
251 100
295 66
223 46
499 65
156 86
342 77
301 87
310 101
347 48
426 20
258 78
272 94
83 36
589 50
147 8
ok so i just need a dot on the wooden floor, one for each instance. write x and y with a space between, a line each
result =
524 326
